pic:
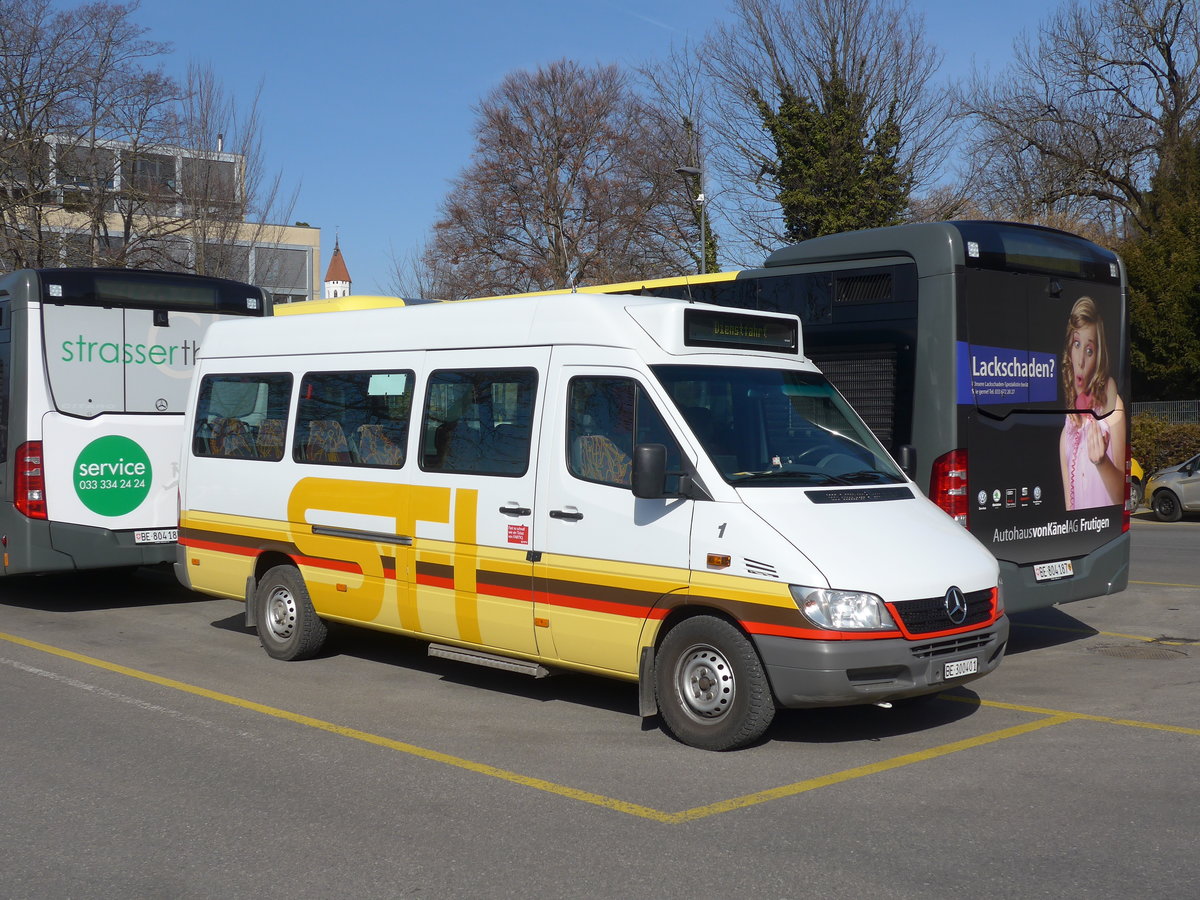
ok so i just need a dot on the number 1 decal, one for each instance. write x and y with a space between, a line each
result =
721 529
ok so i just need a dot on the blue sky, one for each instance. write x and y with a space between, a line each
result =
368 105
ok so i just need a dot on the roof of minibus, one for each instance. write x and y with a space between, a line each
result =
544 320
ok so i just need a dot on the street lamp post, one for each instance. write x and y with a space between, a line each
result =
692 170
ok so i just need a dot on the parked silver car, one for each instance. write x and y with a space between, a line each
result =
1175 490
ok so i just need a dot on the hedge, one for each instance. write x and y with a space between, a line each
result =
1158 443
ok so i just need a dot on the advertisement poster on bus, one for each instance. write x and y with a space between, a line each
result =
121 360
1042 393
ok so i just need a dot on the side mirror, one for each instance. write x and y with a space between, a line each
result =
907 458
649 478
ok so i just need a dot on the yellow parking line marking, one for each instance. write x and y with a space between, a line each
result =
1166 584
343 731
1072 716
1112 634
1049 717
799 787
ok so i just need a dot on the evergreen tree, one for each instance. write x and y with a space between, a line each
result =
1163 262
831 173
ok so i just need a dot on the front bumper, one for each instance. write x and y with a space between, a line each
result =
806 673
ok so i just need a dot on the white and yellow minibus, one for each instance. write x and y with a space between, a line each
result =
647 489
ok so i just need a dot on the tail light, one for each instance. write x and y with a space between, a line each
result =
948 485
29 490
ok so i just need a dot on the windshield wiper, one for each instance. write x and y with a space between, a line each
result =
865 476
772 474
819 478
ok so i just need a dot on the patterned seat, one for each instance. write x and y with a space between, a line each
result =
231 438
326 443
599 459
269 442
376 447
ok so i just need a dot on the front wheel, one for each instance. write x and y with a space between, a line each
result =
1135 494
1166 506
287 625
711 688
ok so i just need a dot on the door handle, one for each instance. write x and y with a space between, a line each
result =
516 510
563 514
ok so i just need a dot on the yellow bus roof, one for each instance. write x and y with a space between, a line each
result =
633 287
337 304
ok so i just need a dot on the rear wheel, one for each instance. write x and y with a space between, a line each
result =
288 626
711 687
1135 494
1166 506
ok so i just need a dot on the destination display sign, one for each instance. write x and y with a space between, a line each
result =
709 328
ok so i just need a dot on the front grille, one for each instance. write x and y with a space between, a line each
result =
952 646
924 616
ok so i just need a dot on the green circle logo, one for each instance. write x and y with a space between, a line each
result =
112 475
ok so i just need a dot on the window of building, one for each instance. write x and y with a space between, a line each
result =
282 269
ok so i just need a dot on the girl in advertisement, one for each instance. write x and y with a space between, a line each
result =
1091 445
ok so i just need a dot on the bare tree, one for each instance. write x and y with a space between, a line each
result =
228 196
567 186
677 93
106 158
39 81
1094 104
782 58
125 101
421 273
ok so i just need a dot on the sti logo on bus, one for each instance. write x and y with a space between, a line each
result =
112 475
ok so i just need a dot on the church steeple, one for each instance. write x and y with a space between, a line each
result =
337 276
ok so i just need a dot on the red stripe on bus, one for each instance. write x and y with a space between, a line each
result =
220 548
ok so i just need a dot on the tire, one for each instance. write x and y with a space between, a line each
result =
283 613
710 685
1166 506
1135 494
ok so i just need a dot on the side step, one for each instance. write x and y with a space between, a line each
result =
489 660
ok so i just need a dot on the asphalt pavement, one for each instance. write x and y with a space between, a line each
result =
150 748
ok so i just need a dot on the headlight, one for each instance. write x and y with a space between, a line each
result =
843 610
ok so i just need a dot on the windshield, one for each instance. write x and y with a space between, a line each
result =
776 427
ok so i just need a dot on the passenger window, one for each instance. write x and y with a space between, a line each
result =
353 418
478 421
606 417
242 416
